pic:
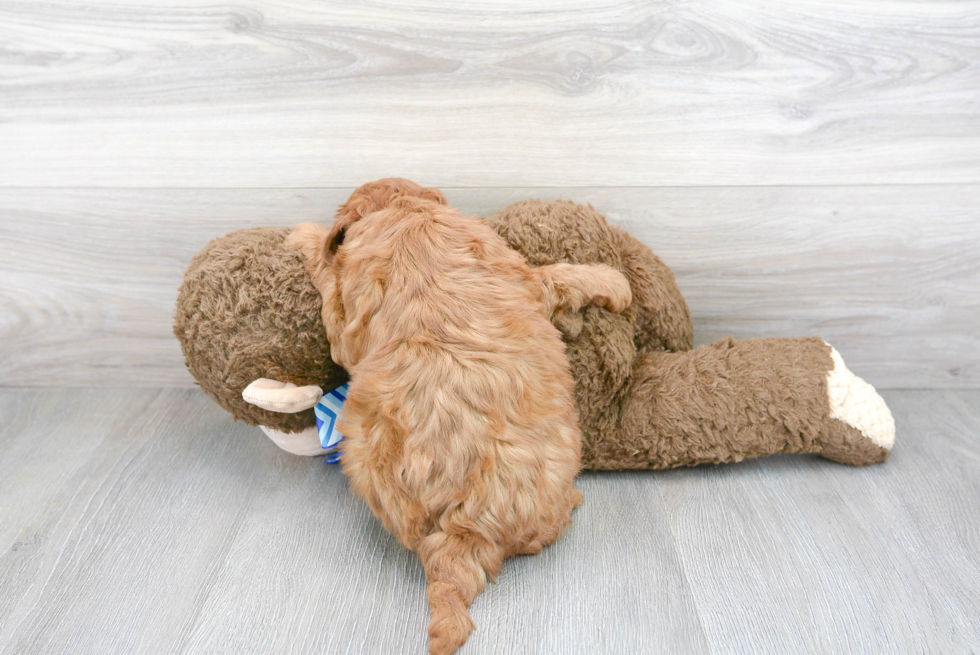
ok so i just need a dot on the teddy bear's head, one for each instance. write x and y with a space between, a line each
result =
248 310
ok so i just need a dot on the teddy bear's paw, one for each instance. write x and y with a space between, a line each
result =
856 403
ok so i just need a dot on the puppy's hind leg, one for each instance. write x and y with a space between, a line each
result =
572 286
456 568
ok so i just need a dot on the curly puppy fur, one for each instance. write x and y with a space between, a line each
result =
461 431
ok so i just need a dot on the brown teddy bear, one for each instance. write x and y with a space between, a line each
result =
248 320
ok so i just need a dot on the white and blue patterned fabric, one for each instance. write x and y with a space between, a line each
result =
327 411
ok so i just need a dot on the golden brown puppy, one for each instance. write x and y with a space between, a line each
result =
460 427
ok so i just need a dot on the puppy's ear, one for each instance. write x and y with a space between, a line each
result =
335 238
373 197
311 241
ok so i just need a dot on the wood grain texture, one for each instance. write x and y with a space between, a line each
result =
889 275
186 93
35 464
89 278
792 555
118 558
612 584
186 533
177 531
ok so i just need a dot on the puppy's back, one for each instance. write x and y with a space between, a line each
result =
464 387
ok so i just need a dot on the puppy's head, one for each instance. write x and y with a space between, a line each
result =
370 198
338 278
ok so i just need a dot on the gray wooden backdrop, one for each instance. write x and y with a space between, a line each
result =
805 167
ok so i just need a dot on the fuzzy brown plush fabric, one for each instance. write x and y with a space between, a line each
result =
645 399
247 310
754 397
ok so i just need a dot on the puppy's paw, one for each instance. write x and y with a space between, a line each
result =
613 289
623 295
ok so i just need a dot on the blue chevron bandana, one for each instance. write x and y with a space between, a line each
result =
326 412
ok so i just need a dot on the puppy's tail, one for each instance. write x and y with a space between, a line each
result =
456 567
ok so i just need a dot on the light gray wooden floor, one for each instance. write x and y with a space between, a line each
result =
145 521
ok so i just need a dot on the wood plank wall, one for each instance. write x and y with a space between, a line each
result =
805 167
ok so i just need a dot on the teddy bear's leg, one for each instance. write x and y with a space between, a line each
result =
734 400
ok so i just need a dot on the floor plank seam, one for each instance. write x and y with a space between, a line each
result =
182 639
683 566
